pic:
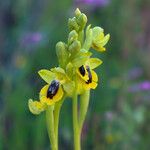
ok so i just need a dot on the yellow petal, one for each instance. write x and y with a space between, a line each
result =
98 48
43 91
93 85
94 76
35 107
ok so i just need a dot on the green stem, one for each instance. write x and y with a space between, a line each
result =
56 118
84 103
75 123
50 127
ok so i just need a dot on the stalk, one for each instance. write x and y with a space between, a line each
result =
56 118
50 127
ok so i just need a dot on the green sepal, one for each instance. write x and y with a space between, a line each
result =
105 40
80 58
97 31
60 74
46 75
94 62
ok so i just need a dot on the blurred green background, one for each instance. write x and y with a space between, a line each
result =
118 116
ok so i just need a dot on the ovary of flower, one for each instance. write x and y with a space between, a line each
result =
99 39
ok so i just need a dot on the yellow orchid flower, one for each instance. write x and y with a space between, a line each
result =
87 79
86 76
52 93
49 94
99 39
60 75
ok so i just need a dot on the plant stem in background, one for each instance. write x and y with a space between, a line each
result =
50 127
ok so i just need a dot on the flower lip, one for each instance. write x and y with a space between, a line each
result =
82 70
89 75
52 89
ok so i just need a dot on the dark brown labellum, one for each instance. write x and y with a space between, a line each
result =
52 89
89 75
82 70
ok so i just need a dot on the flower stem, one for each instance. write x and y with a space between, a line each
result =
56 118
75 123
50 127
84 103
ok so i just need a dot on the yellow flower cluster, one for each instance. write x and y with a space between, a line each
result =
75 69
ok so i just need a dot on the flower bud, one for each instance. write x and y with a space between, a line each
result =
75 47
69 69
72 24
73 35
77 12
62 54
82 20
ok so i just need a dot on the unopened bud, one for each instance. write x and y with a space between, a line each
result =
75 47
62 53
77 12
72 24
73 35
82 20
